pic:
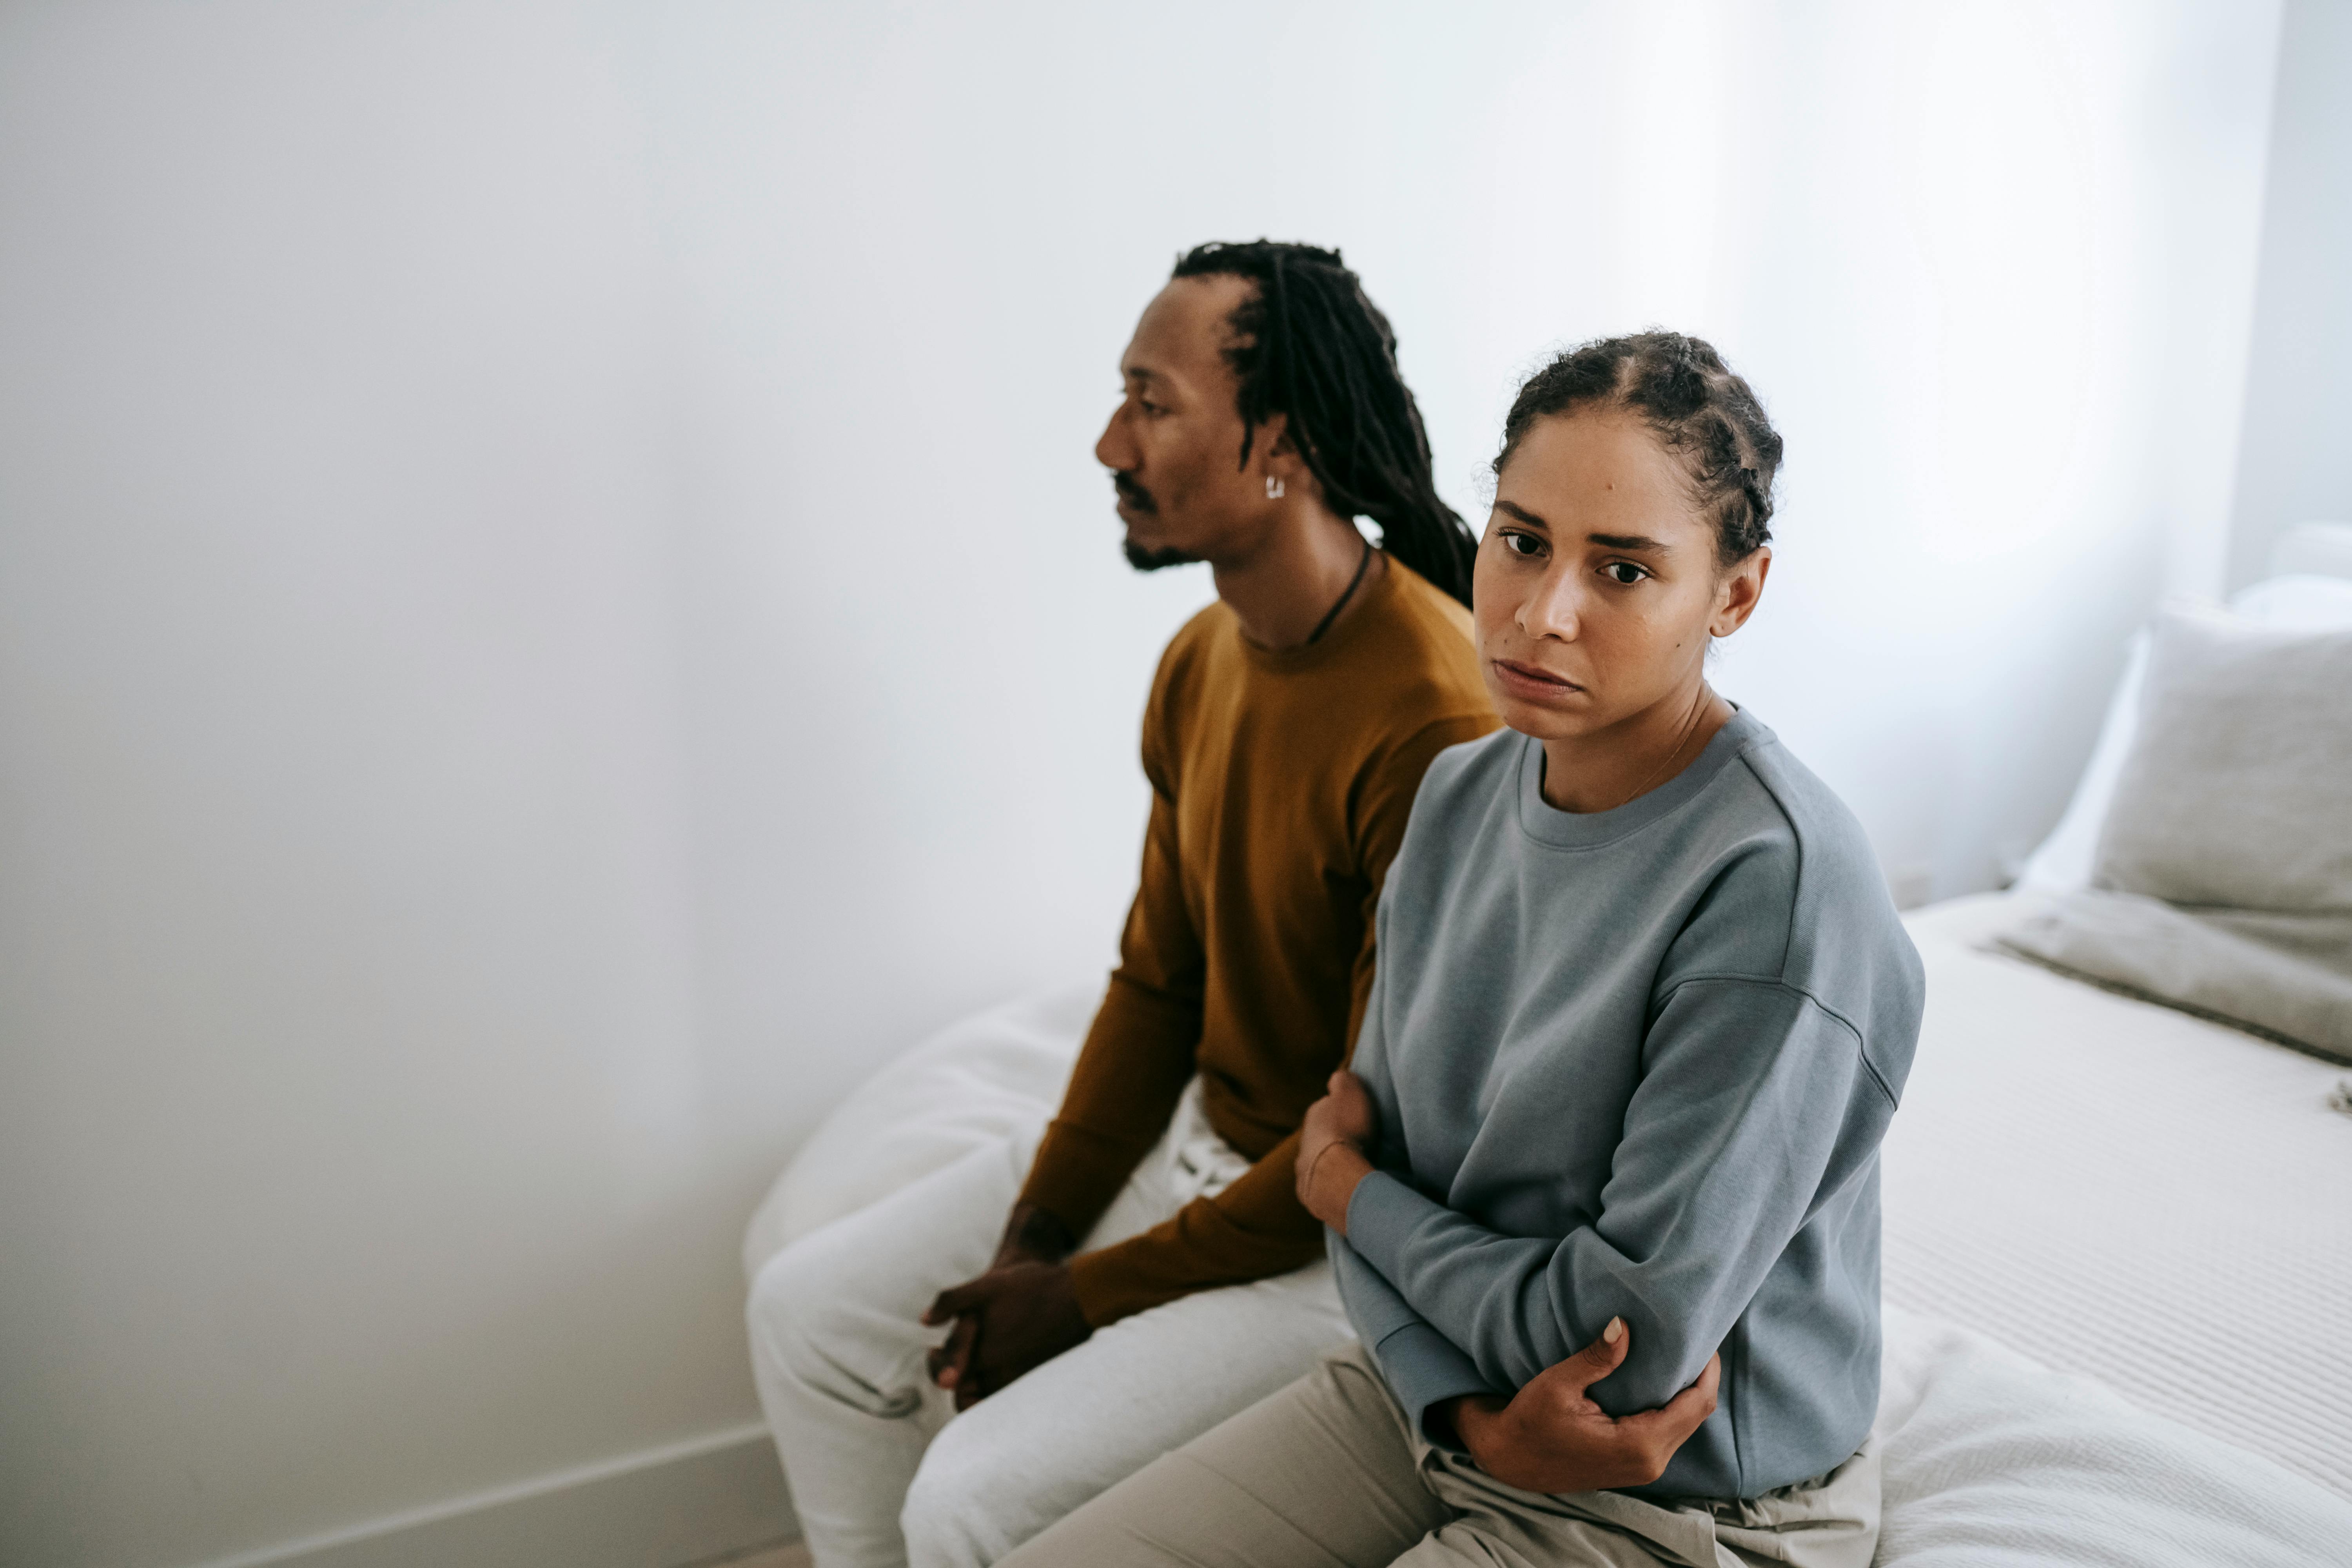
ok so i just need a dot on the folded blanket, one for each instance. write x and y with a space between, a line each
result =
2284 975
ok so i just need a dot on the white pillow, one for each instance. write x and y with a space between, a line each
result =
2062 864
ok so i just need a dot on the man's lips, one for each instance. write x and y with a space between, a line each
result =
1134 501
1527 681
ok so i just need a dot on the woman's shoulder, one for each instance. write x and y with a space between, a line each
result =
1466 790
1806 904
1820 844
1486 766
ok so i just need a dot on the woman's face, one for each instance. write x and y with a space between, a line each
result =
1597 585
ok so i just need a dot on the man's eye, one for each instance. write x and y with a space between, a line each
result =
1625 572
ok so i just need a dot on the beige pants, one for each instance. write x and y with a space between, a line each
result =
1327 1474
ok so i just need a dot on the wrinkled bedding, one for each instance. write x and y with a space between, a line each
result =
1991 1461
2119 1259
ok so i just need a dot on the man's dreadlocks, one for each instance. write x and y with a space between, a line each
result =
1309 344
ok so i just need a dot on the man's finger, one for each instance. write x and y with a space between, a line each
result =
940 1355
953 1301
971 1379
964 1343
951 1363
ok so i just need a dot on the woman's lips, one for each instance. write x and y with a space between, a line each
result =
1524 680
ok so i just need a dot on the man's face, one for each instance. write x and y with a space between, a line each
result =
1173 445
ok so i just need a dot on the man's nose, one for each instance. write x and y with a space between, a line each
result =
1113 451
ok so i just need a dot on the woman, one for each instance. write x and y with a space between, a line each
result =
1643 1010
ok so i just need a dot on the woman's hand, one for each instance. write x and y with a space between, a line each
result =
1331 1142
1551 1437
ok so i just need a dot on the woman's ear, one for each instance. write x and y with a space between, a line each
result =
1736 593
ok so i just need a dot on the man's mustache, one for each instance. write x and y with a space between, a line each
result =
1133 494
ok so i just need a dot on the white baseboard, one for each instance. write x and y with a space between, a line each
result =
664 1507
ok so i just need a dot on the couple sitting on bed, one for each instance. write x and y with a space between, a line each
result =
1599 1192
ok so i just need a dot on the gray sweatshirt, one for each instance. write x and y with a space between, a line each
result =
1636 1063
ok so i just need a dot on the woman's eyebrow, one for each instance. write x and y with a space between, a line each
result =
1638 542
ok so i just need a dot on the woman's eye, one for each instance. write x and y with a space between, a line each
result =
1522 544
1624 572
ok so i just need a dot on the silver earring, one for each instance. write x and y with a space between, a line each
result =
1274 487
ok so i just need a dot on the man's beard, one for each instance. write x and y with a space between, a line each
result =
1138 557
1144 560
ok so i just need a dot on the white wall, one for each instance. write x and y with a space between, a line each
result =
555 607
2298 412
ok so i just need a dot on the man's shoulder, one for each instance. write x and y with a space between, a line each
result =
1210 633
1421 657
1432 620
1210 625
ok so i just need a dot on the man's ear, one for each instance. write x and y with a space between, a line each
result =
1274 437
1275 452
1736 595
1280 455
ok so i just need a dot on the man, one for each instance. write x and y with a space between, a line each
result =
1156 1272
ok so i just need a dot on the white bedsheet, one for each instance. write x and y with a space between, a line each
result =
2152 1214
2118 1189
1989 1460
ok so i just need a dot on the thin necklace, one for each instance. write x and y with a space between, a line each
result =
1348 592
1690 728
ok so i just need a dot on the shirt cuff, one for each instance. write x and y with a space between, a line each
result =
1381 1214
1423 1368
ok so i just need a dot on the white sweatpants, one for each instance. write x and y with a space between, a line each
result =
882 1470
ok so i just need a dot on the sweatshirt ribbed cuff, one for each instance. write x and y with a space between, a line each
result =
1426 1368
1382 1213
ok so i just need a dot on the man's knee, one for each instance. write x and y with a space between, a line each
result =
788 1305
966 1505
809 1304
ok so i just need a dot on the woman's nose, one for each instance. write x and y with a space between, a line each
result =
1555 607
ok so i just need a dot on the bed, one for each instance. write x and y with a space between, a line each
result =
2126 1193
2118 1237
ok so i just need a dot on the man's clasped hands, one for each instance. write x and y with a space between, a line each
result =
1550 1437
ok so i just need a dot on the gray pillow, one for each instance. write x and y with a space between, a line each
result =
2223 879
2238 792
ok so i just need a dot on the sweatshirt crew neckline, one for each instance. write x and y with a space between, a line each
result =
1546 824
